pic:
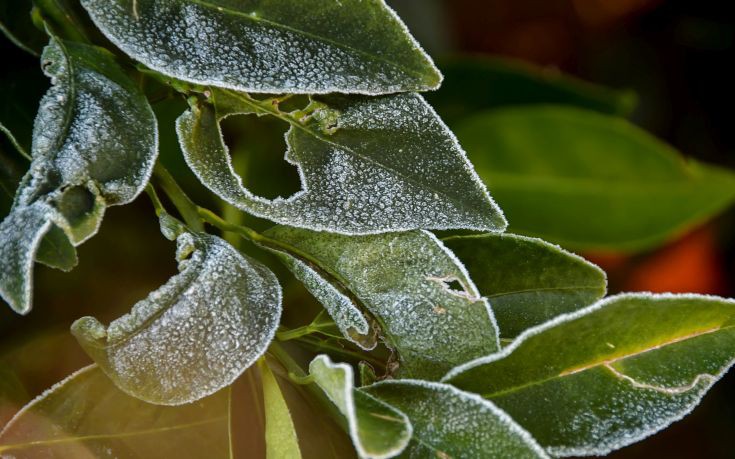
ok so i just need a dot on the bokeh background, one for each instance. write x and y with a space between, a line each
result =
675 56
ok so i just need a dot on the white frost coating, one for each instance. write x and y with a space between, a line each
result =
346 316
390 165
449 422
303 46
94 144
337 382
194 335
394 276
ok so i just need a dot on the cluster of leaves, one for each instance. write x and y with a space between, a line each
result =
501 345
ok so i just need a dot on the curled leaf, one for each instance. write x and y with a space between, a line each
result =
195 334
301 46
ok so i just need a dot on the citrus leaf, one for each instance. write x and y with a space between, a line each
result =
85 415
473 84
194 335
405 282
611 374
590 181
377 430
448 422
271 46
527 281
94 145
280 434
367 165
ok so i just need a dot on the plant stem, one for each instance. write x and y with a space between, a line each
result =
180 200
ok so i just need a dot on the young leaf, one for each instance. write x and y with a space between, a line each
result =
527 281
195 334
85 415
280 434
367 165
94 145
403 280
448 422
304 46
590 181
377 430
611 374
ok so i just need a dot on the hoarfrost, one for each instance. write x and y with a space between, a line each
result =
304 46
390 165
195 334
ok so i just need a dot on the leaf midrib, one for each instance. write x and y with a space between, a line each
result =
546 289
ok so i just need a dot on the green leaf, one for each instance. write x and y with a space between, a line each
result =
611 374
94 145
406 282
85 415
194 335
590 181
280 434
377 430
367 165
448 422
472 84
527 281
271 46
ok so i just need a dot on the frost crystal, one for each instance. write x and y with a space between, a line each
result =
304 46
195 334
403 280
390 165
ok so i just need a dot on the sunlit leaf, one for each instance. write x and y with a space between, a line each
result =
590 181
94 145
527 281
377 430
86 416
448 422
272 46
611 374
367 165
194 335
280 434
428 309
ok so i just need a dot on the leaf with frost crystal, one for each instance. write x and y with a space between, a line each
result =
85 415
94 145
448 422
404 281
611 374
271 46
280 434
527 281
377 430
376 165
195 334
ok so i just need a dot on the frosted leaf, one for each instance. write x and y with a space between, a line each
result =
527 280
382 164
448 422
405 282
94 145
377 430
611 374
194 335
86 416
296 46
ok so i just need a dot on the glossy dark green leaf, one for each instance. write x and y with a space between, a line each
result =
272 46
448 422
94 145
194 335
425 304
527 281
86 416
590 181
474 84
367 165
611 374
